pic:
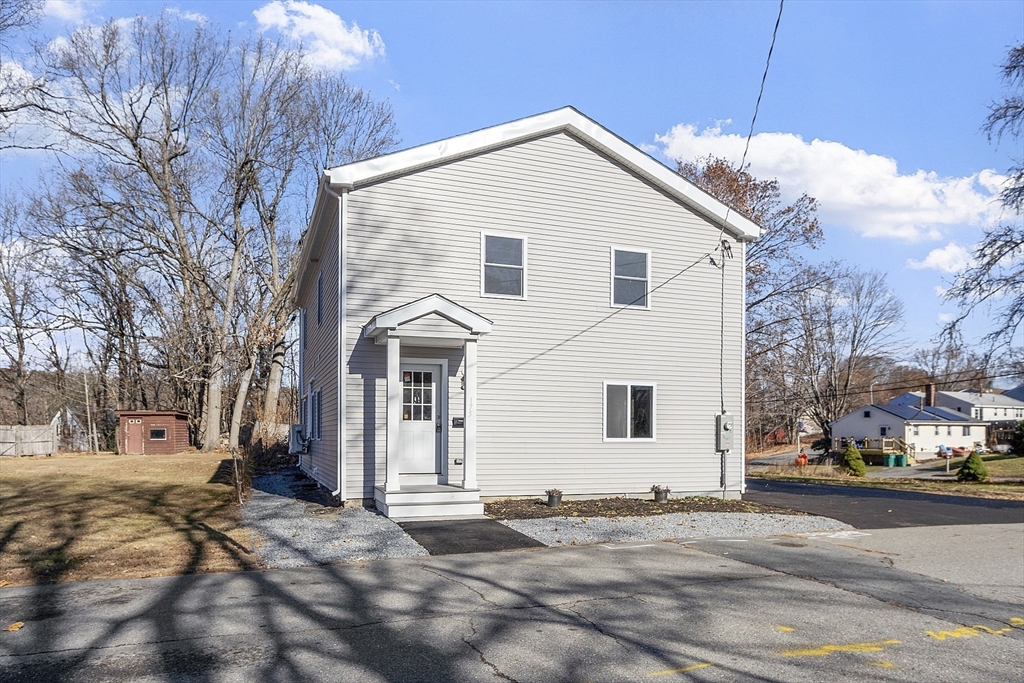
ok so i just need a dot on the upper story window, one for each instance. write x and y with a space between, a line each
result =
631 278
503 266
867 413
320 299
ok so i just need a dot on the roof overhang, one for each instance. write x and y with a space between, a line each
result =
470 325
567 120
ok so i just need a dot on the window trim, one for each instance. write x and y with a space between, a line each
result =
158 429
484 234
629 384
611 272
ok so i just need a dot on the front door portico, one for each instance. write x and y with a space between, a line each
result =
417 423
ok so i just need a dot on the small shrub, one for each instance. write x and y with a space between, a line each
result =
553 492
973 469
853 462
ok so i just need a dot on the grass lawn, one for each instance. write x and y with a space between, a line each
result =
81 517
1002 491
997 465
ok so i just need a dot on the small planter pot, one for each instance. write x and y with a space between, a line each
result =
554 501
661 496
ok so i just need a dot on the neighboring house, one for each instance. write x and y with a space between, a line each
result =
1016 392
982 405
530 306
922 429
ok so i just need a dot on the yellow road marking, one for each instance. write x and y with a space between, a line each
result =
883 664
993 631
1016 621
786 629
829 649
693 667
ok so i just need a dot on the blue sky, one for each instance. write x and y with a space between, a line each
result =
874 108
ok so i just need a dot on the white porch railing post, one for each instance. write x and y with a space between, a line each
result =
469 431
394 413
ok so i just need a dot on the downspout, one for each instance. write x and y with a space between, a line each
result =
342 312
742 432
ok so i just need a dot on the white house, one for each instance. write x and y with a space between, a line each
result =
982 405
924 429
529 306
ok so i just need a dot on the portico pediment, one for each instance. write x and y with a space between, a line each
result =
430 321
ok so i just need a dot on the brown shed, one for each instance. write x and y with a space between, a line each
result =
152 432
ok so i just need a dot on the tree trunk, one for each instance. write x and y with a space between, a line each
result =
271 415
240 398
213 407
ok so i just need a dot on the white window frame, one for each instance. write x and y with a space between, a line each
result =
917 430
611 281
884 428
629 392
157 438
966 430
483 264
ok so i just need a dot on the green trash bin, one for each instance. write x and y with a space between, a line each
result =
901 460
890 460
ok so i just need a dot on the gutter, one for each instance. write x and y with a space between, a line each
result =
342 312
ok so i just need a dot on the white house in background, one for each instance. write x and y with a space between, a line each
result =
985 405
530 306
924 429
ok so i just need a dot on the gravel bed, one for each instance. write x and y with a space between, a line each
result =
294 525
555 531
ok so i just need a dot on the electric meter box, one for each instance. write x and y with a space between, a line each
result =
725 427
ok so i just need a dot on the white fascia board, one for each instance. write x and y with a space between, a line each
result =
565 119
390 320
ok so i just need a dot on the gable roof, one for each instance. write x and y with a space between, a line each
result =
567 120
985 398
927 414
428 305
1017 393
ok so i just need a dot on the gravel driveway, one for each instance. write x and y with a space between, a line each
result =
295 524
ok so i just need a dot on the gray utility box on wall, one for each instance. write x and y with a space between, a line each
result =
725 428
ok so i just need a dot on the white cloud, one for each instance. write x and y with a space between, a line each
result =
951 258
68 10
945 317
196 17
863 191
329 41
940 291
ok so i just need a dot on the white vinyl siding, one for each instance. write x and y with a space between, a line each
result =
630 411
540 404
503 265
631 278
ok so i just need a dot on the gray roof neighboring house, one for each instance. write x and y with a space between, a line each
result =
985 398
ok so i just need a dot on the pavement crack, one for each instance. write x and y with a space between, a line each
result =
494 668
461 583
597 627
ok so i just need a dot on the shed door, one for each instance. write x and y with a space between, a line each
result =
421 430
133 441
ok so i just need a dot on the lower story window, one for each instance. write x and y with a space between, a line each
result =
629 411
967 431
158 435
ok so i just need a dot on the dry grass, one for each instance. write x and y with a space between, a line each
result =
81 517
1000 491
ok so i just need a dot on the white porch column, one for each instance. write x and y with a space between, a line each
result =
469 432
394 412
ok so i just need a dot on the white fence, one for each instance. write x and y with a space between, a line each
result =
28 440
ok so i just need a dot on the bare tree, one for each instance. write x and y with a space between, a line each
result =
995 277
844 322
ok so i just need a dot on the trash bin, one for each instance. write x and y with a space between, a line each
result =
901 460
890 461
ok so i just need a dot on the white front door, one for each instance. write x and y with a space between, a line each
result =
420 445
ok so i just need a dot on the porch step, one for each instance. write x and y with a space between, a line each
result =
413 502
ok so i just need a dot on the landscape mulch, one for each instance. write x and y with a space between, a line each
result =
536 508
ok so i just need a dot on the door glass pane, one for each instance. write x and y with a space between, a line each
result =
617 412
428 378
631 264
407 378
642 418
504 250
427 396
406 395
631 292
417 413
503 280
407 412
426 413
417 396
417 378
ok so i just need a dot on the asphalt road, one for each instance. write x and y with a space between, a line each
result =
868 508
835 607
